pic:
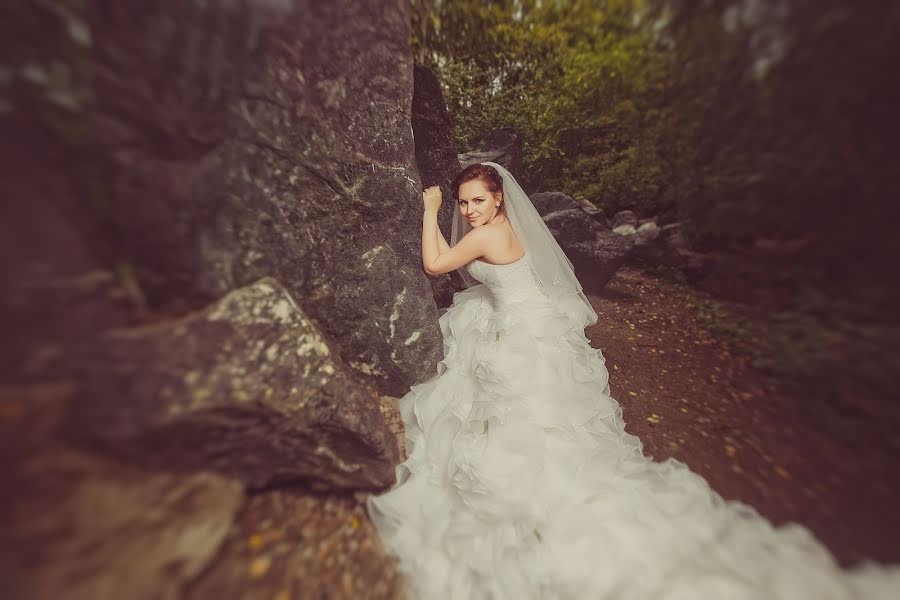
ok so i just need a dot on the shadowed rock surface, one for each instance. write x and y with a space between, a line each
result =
82 527
549 202
660 246
596 252
436 157
204 146
571 225
437 162
623 217
253 391
290 545
595 262
164 158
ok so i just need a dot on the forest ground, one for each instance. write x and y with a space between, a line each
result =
689 394
684 392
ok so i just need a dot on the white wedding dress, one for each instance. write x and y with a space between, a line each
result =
521 481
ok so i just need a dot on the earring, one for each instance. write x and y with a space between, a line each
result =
497 205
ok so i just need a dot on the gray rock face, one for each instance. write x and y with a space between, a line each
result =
85 528
623 217
502 146
571 225
548 202
438 163
596 252
249 387
595 213
436 157
206 145
595 262
664 246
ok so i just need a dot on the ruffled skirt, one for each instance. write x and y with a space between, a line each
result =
521 482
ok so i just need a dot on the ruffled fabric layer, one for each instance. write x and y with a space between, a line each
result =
521 482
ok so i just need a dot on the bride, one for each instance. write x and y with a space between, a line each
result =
521 481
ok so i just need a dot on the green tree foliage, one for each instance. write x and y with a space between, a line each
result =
578 81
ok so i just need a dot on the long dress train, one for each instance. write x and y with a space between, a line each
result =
521 481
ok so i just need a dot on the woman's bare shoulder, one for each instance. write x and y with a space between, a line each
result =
502 239
492 233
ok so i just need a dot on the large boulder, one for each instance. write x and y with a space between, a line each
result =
660 246
623 217
595 262
571 225
253 390
549 202
595 213
202 146
438 163
436 157
81 527
580 229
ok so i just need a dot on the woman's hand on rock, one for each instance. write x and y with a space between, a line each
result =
431 198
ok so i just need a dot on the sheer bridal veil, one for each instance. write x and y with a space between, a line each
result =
552 267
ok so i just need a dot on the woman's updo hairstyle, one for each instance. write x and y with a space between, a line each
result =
488 176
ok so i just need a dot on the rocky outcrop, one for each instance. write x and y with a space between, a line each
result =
502 146
82 527
571 225
596 261
659 246
220 142
580 229
181 175
595 213
549 202
254 391
623 217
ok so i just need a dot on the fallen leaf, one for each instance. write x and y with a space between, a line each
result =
260 566
255 542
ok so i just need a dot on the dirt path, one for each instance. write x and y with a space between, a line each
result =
687 396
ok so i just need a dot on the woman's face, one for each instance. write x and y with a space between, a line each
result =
476 203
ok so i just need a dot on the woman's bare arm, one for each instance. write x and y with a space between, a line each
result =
443 246
437 255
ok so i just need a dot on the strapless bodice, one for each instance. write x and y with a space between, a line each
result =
511 282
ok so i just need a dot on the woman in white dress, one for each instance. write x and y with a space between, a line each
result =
521 481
